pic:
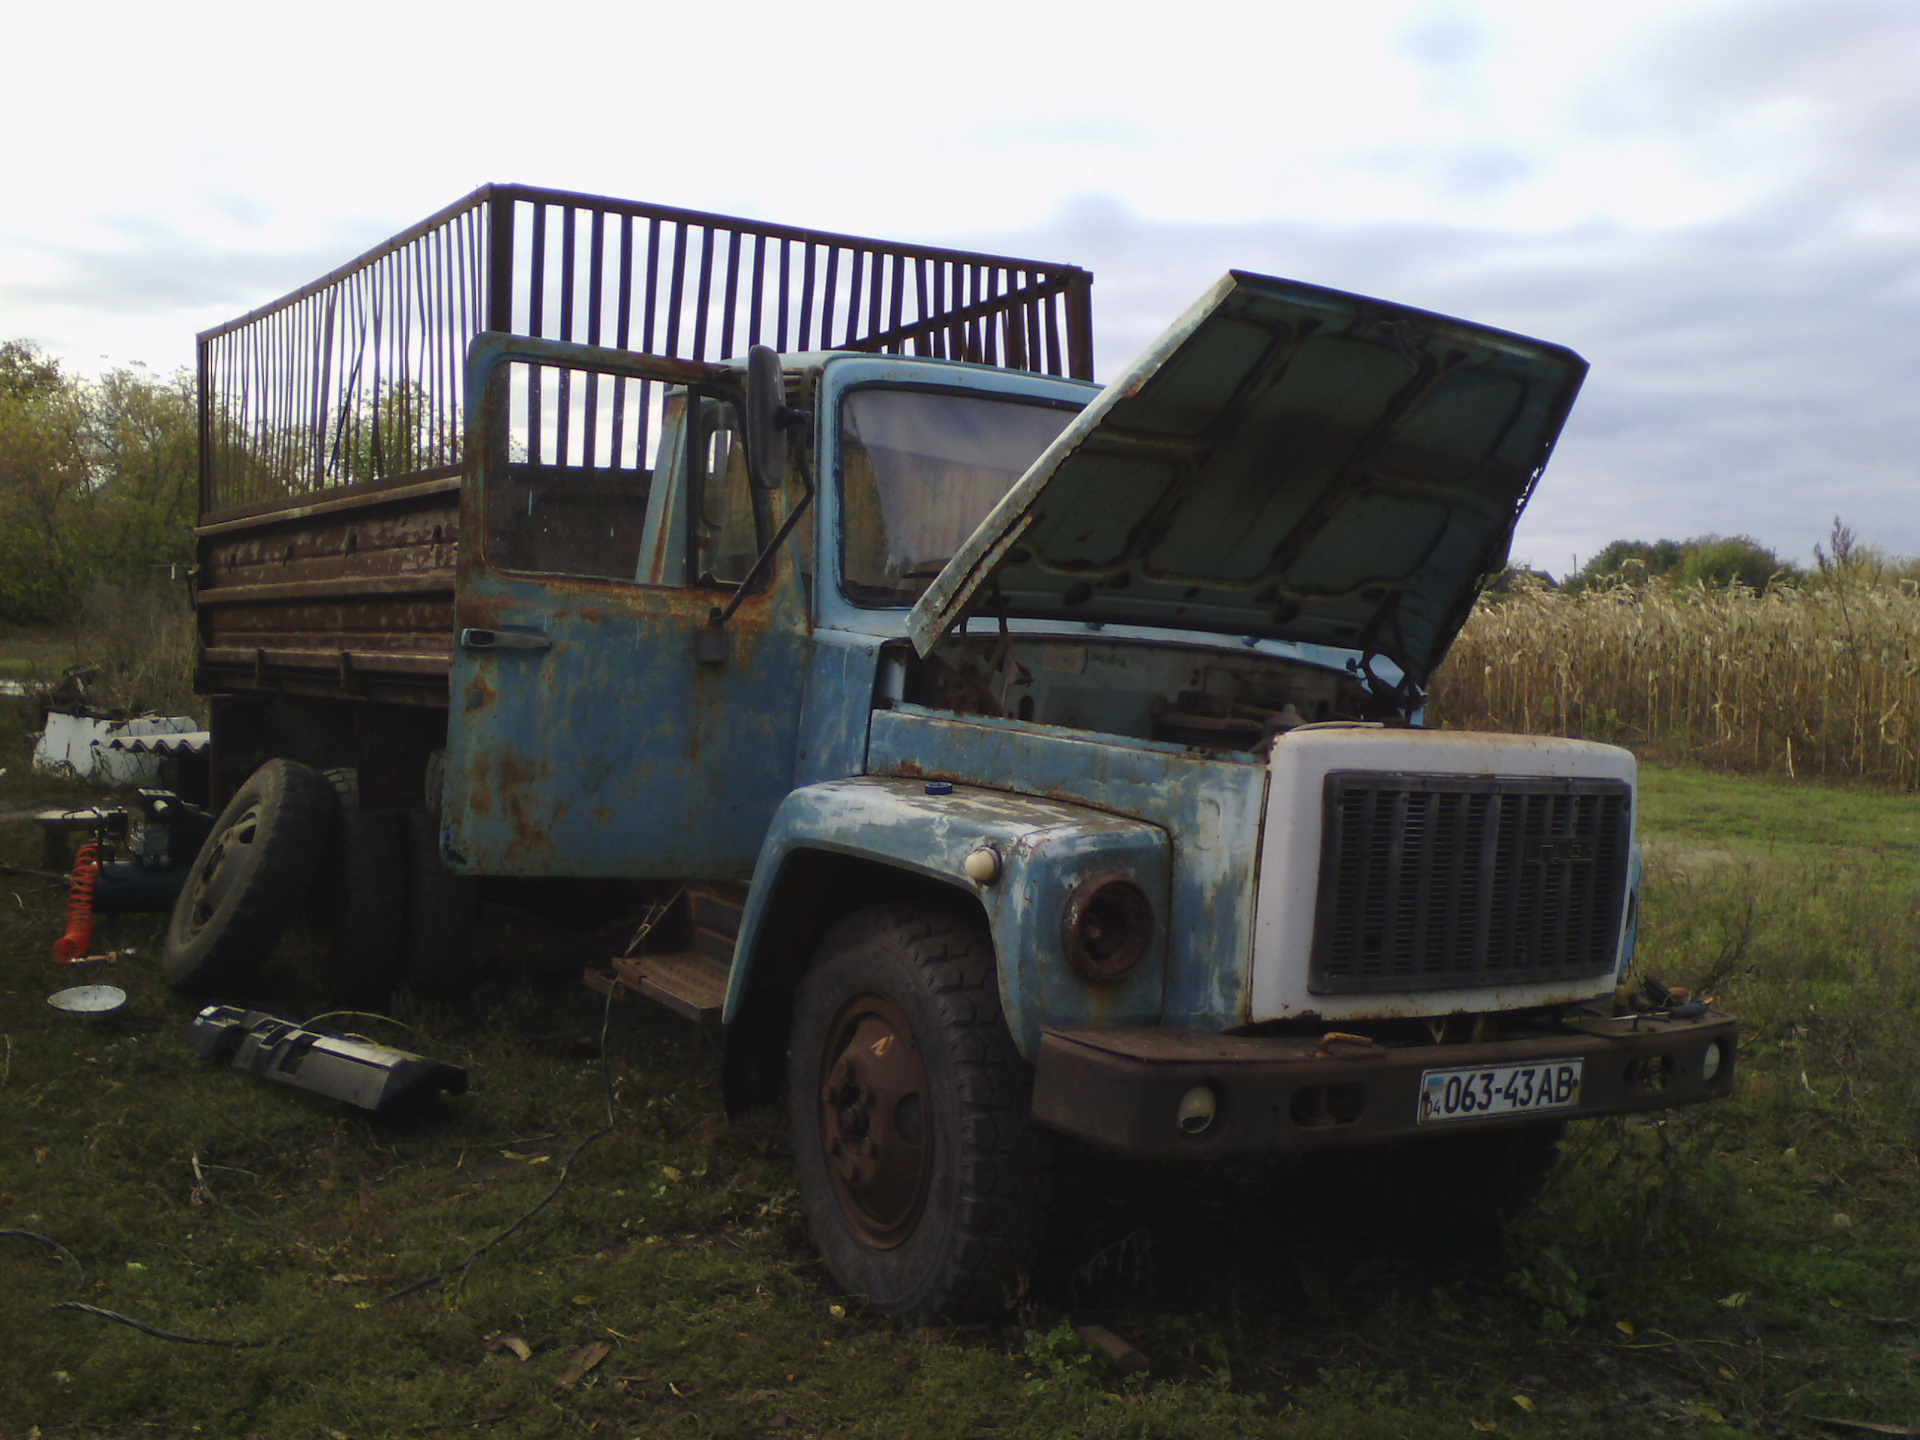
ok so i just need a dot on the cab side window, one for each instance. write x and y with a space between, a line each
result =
728 526
611 477
573 468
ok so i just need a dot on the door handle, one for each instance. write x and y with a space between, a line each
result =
476 639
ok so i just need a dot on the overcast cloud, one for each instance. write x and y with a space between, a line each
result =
1717 204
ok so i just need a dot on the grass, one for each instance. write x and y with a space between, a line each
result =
33 654
1724 1271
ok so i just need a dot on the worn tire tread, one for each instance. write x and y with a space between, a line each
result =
1000 1200
262 911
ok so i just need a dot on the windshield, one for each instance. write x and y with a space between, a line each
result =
919 470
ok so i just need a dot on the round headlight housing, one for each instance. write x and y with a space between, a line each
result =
1198 1109
1107 927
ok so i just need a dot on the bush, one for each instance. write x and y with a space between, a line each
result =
139 641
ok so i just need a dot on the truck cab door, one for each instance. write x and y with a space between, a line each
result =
600 723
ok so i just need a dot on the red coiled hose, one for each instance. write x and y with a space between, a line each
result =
78 941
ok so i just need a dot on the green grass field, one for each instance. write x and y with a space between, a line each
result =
1731 1270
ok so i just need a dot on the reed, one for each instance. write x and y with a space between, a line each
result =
1815 680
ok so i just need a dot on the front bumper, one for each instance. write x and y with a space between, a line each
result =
1122 1087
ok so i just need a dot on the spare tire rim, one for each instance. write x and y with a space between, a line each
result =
224 858
874 1120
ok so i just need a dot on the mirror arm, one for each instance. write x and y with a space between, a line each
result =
766 556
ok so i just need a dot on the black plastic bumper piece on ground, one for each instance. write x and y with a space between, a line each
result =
370 1076
1122 1088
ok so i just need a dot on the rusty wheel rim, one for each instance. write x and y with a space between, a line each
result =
216 878
873 1120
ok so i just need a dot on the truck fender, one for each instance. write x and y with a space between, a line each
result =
843 845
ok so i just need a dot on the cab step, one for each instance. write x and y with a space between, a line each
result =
688 982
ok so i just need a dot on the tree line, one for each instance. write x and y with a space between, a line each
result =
1720 562
97 482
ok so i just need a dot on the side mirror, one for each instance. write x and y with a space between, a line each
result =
766 419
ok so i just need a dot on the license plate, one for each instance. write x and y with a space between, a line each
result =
1473 1091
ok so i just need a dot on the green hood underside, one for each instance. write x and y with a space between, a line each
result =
1285 462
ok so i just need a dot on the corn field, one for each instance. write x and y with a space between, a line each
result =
1821 681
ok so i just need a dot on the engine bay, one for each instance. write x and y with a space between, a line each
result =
1201 697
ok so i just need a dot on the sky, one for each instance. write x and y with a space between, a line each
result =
1717 204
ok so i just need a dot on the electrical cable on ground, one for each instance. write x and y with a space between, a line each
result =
460 1267
51 1244
431 1040
159 1334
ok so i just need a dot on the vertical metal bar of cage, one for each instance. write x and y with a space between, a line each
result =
537 271
783 310
810 252
293 395
376 450
622 326
646 339
895 285
703 294
263 405
238 407
563 401
675 289
731 294
757 289
536 327
499 259
447 306
406 282
921 340
596 261
433 343
203 389
831 284
856 284
939 337
1080 326
325 310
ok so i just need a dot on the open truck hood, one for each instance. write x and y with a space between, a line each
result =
1284 462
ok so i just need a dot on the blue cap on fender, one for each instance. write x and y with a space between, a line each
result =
939 787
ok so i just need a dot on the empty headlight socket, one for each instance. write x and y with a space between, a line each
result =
1106 927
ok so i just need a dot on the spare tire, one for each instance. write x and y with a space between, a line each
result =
244 887
436 961
361 896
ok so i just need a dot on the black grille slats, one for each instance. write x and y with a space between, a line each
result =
1438 882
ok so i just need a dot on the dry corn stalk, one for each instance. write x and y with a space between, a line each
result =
1823 680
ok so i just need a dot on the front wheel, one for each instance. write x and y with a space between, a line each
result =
923 1175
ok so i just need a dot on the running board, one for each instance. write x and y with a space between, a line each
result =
688 983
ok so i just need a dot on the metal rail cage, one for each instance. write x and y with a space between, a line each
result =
356 377
330 427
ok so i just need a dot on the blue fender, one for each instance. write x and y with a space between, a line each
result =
1046 849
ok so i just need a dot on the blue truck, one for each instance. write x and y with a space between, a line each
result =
997 755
